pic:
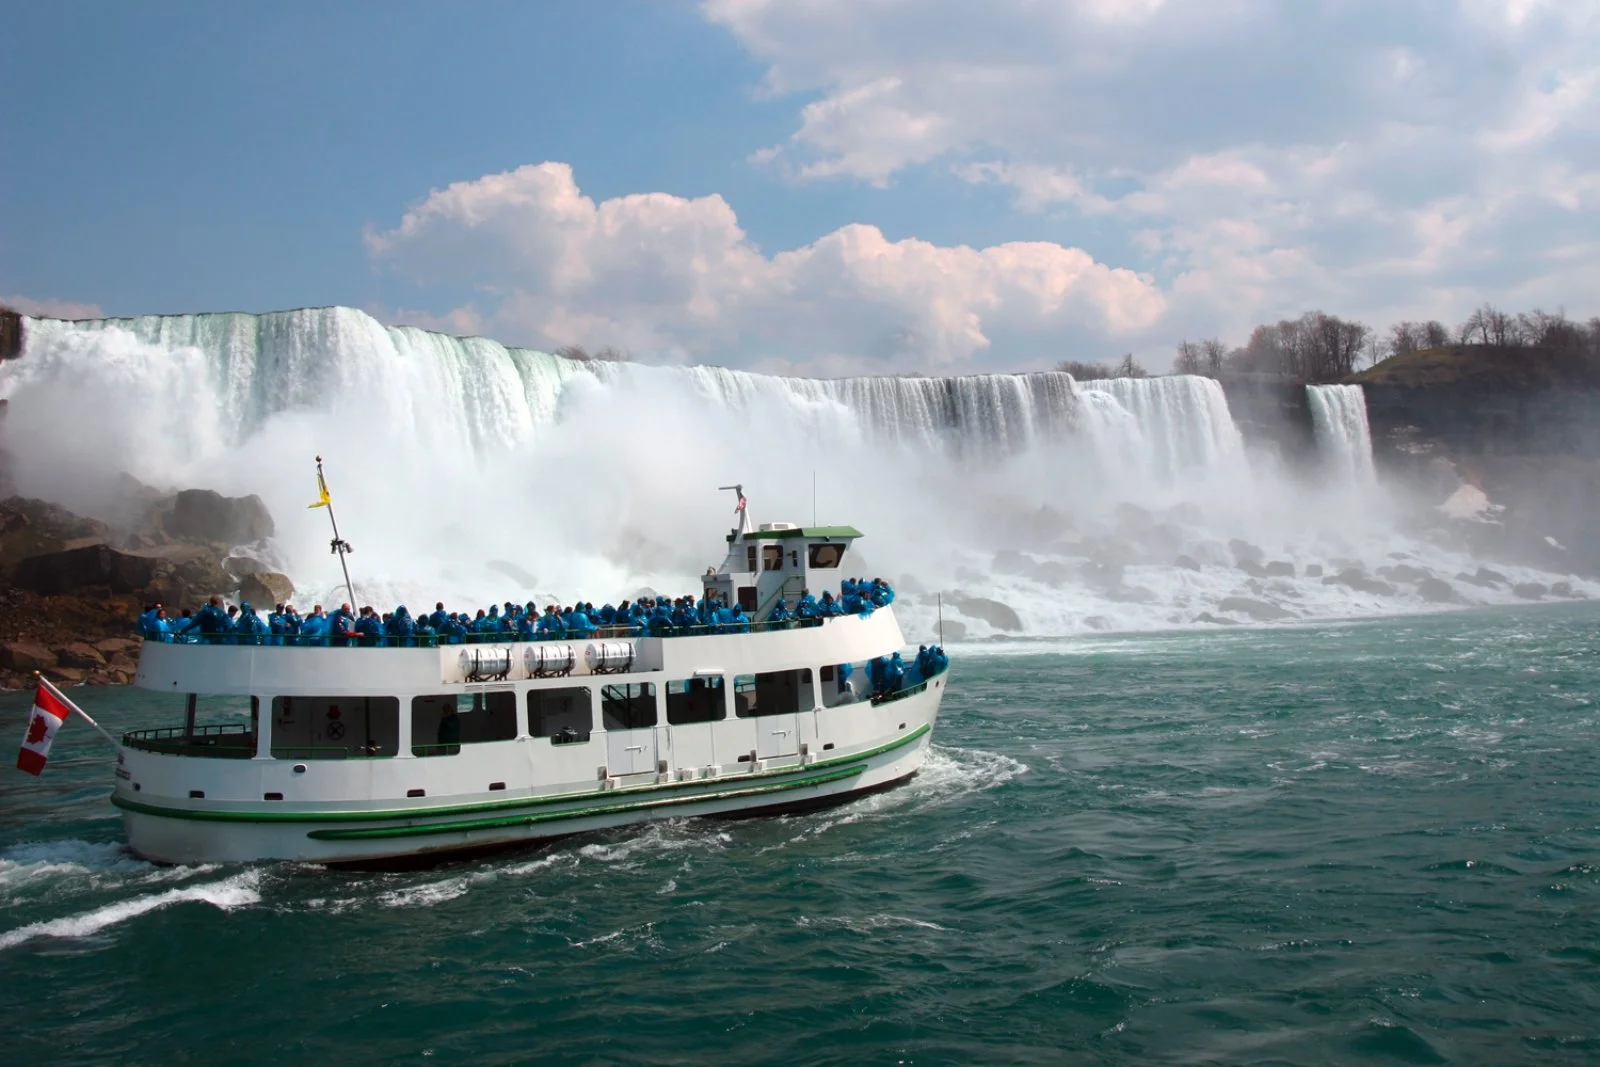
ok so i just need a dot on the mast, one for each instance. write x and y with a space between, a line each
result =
339 545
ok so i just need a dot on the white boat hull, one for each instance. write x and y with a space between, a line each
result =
893 740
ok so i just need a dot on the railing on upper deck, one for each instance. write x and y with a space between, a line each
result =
603 633
218 742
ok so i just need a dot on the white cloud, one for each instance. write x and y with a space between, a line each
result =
1369 157
676 278
50 308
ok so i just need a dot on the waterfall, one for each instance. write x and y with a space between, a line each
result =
473 471
1339 420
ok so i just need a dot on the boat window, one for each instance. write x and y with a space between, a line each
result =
306 728
771 557
826 555
695 700
842 689
750 557
747 597
825 674
441 724
220 727
628 707
771 693
565 715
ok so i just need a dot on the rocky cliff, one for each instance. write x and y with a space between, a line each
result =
1520 425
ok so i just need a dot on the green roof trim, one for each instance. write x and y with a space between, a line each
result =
832 532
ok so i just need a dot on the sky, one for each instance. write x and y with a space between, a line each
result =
809 186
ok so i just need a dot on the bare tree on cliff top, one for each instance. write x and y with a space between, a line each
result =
1188 360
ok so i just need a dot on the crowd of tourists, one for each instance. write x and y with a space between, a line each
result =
220 623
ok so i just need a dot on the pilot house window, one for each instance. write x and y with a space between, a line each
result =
771 557
826 555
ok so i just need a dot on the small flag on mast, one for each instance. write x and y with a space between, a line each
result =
323 499
738 509
49 712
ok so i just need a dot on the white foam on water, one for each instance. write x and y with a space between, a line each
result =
235 892
24 866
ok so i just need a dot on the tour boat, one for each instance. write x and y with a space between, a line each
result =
359 754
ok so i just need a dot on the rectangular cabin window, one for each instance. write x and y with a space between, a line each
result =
750 558
771 557
628 707
747 598
441 724
695 700
772 693
307 728
565 715
208 726
826 673
826 555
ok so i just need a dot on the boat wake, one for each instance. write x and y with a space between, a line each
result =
237 891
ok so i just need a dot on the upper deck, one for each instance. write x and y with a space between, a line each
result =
355 669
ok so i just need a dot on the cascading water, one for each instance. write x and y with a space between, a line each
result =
470 471
1339 419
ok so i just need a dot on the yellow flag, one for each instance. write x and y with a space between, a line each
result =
322 489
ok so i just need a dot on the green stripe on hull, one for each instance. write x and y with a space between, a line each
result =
506 805
504 822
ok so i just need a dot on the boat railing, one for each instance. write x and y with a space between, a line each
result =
229 741
603 633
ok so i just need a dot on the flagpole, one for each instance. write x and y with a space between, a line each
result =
340 546
68 702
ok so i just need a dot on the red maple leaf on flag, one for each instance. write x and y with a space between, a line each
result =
38 729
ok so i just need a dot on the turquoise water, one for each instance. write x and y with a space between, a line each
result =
1371 842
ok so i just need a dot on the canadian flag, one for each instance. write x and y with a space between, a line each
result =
49 712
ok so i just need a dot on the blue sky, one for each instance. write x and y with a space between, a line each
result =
824 187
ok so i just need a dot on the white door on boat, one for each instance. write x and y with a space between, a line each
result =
630 751
629 715
777 735
771 702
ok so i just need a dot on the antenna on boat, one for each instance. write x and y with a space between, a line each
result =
339 545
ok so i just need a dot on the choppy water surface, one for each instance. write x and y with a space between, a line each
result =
1362 842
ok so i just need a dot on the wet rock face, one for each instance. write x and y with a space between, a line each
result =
205 515
265 589
90 567
996 614
10 334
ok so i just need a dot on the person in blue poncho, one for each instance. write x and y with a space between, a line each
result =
579 626
401 628
455 629
880 593
426 635
847 689
548 625
148 627
828 607
369 628
781 615
314 627
341 625
894 674
808 607
211 623
251 628
738 621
